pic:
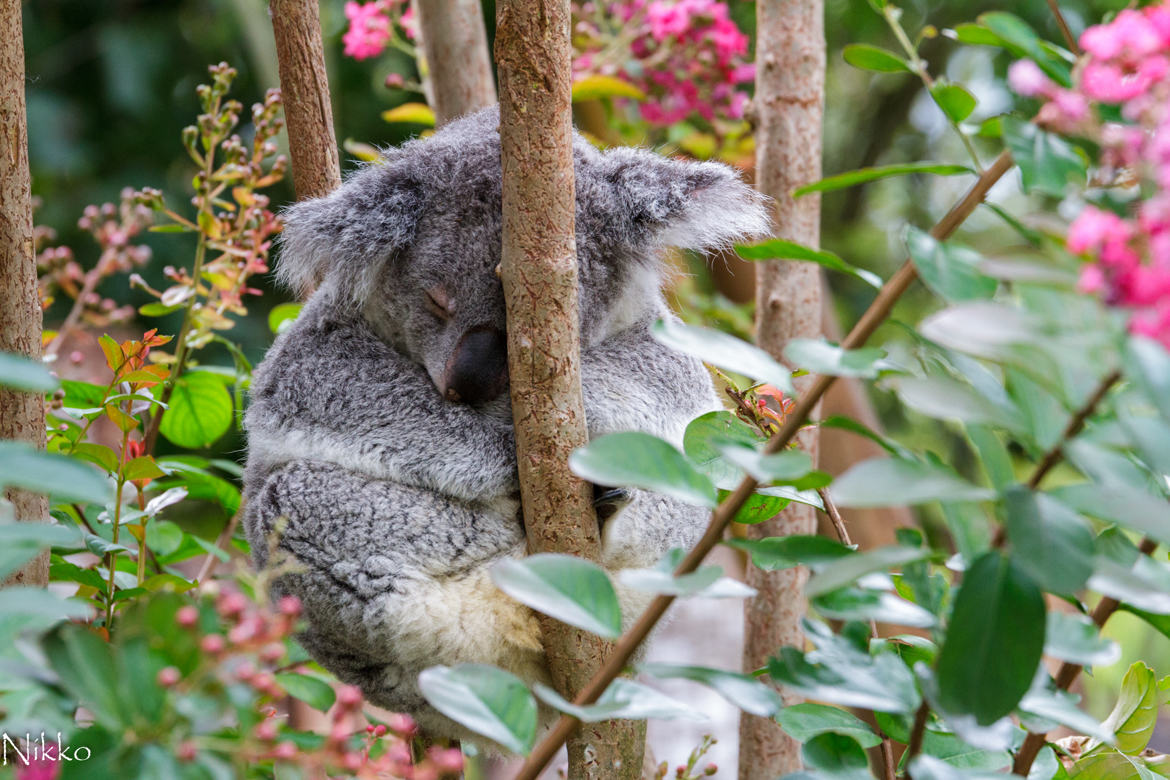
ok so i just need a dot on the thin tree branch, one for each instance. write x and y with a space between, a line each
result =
874 316
835 517
1067 673
1056 454
917 734
454 45
1064 28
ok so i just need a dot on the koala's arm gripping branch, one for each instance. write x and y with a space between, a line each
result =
304 85
874 316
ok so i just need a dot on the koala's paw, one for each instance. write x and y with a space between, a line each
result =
609 501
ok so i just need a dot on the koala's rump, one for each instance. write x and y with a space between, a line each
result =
393 580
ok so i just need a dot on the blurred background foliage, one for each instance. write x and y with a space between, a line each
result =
111 86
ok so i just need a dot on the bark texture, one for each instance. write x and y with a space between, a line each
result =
304 85
22 415
539 272
790 77
454 44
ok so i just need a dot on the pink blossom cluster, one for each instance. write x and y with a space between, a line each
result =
687 56
1126 64
371 26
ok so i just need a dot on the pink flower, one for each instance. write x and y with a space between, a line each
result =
667 19
369 30
1093 228
1026 79
1130 35
1092 279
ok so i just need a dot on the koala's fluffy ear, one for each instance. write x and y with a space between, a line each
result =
348 236
690 205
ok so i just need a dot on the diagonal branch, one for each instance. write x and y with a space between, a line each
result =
874 316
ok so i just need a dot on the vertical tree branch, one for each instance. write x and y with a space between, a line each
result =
539 272
22 415
454 45
304 85
790 77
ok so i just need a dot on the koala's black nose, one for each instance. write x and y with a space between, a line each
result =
477 370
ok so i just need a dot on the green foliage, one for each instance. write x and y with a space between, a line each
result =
570 589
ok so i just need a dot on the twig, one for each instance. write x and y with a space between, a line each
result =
917 734
1067 673
1064 29
835 517
211 561
874 316
88 286
1056 453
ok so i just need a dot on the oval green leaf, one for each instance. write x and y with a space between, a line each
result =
898 482
866 57
779 249
724 351
634 459
487 700
22 373
572 590
200 411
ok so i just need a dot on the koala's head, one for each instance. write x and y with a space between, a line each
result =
413 241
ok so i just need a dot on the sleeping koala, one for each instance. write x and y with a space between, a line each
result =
380 446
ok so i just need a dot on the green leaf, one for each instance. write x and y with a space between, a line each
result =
757 509
783 467
624 699
22 373
849 569
866 57
572 590
487 700
950 399
1144 583
865 604
841 672
1073 637
948 747
779 249
929 767
157 309
315 692
283 316
975 35
706 582
1015 34
821 357
596 87
97 454
66 479
1046 701
1047 162
982 328
955 101
784 552
951 270
805 721
863 175
897 482
85 664
994 640
635 459
200 411
836 756
1135 714
1050 542
1129 507
411 113
1148 362
724 351
745 692
163 537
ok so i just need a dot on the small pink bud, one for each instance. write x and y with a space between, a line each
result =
394 81
352 761
75 357
339 733
213 643
231 604
379 730
265 730
167 676
349 697
289 605
245 672
186 751
272 652
401 724
284 751
450 760
187 616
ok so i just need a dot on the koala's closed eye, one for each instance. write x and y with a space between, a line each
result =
438 303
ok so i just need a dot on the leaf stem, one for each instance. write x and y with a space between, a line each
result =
874 316
1064 28
917 734
113 562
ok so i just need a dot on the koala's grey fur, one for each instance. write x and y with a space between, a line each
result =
394 501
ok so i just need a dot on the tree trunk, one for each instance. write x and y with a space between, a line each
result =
539 272
22 415
304 85
790 62
454 45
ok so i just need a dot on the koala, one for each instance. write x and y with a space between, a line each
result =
381 456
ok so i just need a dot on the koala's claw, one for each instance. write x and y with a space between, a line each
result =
609 501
